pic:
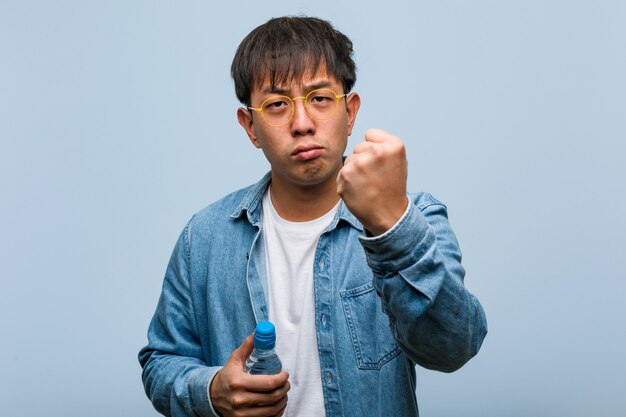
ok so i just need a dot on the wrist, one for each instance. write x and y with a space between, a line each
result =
387 219
213 393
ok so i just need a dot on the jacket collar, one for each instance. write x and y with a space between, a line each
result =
251 204
251 201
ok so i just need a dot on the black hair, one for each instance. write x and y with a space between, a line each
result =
286 48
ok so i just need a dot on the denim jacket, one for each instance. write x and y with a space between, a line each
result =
382 305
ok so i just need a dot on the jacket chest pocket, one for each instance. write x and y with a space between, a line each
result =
371 335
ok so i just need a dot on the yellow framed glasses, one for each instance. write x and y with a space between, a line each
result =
320 104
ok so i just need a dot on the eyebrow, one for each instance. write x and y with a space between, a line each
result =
308 87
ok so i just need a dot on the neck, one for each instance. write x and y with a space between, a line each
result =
298 203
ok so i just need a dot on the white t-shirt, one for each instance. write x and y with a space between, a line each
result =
290 251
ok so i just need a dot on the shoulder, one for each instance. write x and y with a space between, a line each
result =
220 213
227 206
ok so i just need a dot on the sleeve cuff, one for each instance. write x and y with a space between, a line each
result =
201 384
402 245
208 394
366 237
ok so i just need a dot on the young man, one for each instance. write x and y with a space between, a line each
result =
362 280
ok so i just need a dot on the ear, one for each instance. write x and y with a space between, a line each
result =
353 103
244 117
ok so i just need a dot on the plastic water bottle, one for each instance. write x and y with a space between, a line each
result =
263 360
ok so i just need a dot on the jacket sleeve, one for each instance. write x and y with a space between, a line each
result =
419 278
175 376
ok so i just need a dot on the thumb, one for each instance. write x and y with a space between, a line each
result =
242 352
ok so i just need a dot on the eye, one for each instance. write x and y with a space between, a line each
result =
321 98
276 104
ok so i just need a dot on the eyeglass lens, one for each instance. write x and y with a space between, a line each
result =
320 104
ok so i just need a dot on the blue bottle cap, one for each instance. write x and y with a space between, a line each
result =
265 335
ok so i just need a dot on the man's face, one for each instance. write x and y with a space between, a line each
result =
305 152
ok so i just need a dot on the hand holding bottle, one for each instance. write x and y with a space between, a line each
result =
236 393
263 360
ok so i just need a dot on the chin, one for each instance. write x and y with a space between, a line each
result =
316 172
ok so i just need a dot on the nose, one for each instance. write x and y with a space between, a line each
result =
302 123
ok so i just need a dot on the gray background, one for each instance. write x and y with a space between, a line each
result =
117 123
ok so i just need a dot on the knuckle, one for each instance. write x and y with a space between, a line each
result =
236 402
378 151
346 172
265 385
236 385
360 163
395 139
276 395
398 145
395 149
279 408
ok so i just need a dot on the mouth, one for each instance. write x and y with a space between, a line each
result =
307 152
